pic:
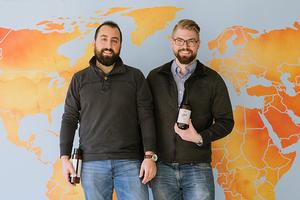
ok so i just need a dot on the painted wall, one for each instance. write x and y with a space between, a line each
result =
255 45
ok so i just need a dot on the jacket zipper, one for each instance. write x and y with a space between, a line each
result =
175 135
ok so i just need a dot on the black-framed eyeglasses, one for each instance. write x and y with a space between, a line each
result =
190 42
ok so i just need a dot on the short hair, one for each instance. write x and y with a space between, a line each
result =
112 25
187 24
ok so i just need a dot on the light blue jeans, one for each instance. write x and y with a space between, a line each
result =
183 181
99 178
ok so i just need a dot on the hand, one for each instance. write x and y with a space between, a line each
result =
189 134
148 170
67 168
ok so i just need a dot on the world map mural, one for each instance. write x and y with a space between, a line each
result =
42 44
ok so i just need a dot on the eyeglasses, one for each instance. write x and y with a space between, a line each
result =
190 42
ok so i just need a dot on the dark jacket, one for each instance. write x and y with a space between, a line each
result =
211 113
114 111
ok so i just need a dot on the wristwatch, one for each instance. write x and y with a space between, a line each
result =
151 156
200 141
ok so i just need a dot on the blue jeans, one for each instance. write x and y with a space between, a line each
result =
99 178
183 181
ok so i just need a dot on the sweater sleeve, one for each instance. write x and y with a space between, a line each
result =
145 113
222 114
70 118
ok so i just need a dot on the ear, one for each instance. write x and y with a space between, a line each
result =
170 39
172 43
94 42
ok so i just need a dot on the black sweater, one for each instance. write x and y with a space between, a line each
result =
114 111
211 113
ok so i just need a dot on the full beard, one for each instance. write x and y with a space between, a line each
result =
185 59
106 60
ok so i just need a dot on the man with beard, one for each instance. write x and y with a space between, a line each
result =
184 170
112 104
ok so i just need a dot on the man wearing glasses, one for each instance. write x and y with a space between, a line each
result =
184 169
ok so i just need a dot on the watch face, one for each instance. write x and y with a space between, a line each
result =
154 157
